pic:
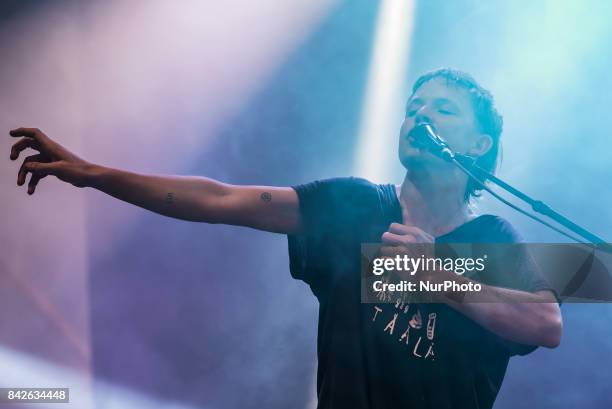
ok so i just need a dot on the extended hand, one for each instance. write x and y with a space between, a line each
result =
51 159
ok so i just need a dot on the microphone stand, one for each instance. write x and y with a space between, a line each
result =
469 167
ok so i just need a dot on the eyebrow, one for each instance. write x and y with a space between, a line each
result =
412 101
441 101
437 101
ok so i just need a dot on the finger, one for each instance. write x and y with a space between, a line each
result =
391 251
34 179
398 228
21 145
34 133
397 239
23 169
420 235
30 132
43 169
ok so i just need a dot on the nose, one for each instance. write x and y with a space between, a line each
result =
422 116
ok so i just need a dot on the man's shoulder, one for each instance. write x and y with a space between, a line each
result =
344 185
496 229
345 182
346 201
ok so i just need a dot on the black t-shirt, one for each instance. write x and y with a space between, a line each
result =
392 356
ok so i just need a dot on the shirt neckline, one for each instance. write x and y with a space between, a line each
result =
399 214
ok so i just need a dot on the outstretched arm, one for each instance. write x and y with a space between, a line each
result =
193 198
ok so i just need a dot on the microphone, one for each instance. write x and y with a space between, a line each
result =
426 137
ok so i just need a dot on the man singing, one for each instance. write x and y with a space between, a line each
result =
449 354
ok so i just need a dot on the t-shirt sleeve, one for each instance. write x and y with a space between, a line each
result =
514 268
330 211
512 264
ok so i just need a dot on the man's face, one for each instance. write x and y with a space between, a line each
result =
449 109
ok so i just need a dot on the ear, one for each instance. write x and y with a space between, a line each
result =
481 145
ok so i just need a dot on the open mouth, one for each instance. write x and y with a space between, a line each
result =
409 136
412 141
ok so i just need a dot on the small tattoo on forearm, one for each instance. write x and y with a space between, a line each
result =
169 198
266 196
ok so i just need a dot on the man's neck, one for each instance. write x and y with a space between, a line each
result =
433 203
